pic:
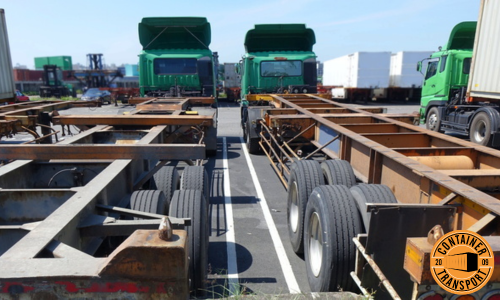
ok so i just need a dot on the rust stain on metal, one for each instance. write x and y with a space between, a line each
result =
145 256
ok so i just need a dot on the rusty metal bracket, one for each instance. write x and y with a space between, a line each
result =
377 270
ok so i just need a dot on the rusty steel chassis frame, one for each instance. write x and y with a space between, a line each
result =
25 117
90 212
379 146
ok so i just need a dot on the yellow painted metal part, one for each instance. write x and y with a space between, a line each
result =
268 97
446 162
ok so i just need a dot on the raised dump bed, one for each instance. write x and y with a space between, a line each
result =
389 183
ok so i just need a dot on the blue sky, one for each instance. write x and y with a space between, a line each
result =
75 28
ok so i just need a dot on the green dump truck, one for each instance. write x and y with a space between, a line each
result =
461 93
279 59
175 60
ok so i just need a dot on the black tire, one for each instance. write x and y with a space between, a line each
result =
244 117
150 201
480 130
338 172
211 142
167 180
371 193
433 120
191 204
305 175
195 178
330 254
252 144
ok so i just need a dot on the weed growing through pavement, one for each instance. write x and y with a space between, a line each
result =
226 289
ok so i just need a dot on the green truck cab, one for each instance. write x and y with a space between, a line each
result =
445 105
175 60
279 59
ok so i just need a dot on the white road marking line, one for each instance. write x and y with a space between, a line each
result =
286 267
232 267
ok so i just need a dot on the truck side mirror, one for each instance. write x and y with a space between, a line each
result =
237 68
419 67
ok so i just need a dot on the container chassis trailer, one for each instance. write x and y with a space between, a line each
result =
369 193
104 214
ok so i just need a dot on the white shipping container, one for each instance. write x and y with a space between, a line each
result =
403 73
7 86
358 70
485 69
231 78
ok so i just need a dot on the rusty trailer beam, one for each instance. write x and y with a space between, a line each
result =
133 120
154 151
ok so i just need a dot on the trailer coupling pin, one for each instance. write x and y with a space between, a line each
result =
165 228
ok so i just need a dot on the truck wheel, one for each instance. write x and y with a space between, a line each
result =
433 121
244 116
196 178
338 172
331 221
305 175
150 201
252 144
211 142
191 204
371 193
167 181
480 129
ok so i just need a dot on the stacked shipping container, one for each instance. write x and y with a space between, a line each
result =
63 62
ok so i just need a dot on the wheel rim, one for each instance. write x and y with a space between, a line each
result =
294 208
480 132
315 244
432 121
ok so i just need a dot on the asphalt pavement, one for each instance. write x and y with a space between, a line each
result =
260 246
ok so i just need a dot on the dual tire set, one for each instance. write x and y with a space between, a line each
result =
479 131
185 196
326 210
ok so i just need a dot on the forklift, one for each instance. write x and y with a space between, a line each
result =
53 85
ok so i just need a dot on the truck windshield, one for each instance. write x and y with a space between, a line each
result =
171 66
432 68
281 68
